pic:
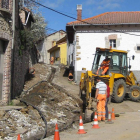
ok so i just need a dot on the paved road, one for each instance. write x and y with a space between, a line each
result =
125 127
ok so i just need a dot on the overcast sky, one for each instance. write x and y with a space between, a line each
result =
90 8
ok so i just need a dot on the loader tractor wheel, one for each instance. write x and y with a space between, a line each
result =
119 91
134 93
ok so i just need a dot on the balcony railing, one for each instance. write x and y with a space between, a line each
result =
5 4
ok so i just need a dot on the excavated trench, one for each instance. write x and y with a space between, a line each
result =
46 103
65 109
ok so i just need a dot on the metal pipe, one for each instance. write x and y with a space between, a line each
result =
12 49
27 19
75 77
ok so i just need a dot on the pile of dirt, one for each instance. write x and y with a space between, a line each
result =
55 105
42 72
26 122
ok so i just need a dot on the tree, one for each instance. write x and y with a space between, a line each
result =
29 4
38 28
29 37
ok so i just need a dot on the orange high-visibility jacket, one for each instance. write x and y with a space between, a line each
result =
105 64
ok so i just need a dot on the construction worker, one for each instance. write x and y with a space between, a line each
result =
104 66
101 94
70 76
107 100
52 60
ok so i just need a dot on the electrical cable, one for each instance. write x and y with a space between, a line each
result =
80 20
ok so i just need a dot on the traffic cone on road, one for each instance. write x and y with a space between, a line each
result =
18 137
113 114
56 134
95 123
81 127
109 121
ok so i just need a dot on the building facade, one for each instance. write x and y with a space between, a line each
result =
5 48
50 40
59 51
13 66
118 30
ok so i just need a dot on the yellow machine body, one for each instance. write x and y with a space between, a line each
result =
88 82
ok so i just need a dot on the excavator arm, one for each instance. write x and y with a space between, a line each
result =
131 79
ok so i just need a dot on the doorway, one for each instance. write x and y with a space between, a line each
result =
1 66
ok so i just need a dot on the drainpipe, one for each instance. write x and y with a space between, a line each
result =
12 49
13 25
27 19
75 55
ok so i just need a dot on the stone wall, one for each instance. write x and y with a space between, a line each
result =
20 68
7 73
16 65
5 36
9 7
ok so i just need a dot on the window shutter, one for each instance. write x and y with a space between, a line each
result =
107 44
117 43
135 48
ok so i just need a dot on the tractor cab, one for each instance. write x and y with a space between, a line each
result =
117 61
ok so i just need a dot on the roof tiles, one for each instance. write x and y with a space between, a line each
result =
111 18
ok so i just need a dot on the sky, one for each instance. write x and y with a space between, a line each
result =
90 8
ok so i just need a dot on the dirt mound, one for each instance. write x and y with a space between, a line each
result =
54 103
42 72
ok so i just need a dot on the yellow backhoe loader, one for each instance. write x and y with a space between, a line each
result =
119 78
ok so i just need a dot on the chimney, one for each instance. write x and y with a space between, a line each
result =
79 12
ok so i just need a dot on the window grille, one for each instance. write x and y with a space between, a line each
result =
112 43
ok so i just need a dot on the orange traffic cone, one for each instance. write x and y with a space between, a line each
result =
81 127
95 123
109 121
113 114
18 137
56 134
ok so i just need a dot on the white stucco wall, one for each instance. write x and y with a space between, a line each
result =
69 54
89 41
90 38
42 51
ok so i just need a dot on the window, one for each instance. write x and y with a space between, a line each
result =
138 48
115 60
5 4
112 43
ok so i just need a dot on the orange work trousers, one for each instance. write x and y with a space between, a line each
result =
101 106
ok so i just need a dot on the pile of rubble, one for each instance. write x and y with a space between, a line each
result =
43 101
21 122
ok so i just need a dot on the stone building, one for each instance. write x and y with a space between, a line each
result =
5 48
13 67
